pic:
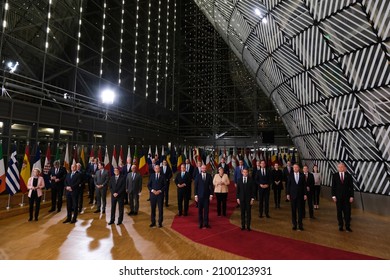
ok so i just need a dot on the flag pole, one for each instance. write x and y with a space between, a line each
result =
22 203
9 201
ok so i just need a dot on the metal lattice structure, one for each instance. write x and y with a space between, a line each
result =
325 66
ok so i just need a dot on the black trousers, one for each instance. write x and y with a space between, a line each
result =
316 197
81 198
343 210
296 206
246 214
120 200
203 211
277 194
166 192
183 198
71 205
221 203
157 200
310 195
133 200
56 196
37 200
263 201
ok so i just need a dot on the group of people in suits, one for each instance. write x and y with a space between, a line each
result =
126 185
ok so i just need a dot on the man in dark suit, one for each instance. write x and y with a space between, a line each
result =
101 181
286 175
343 195
57 176
167 172
254 174
72 185
195 172
238 174
156 186
296 194
309 185
117 189
224 166
133 188
203 195
263 179
246 190
126 169
91 171
81 187
182 181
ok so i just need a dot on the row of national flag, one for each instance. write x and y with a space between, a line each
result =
13 181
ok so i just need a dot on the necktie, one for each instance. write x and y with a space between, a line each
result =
56 170
182 175
187 168
342 178
101 173
262 171
133 176
156 176
244 180
116 179
71 175
204 176
296 178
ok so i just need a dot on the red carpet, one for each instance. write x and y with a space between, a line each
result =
254 244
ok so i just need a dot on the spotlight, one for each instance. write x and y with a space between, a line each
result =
108 96
257 12
12 67
264 20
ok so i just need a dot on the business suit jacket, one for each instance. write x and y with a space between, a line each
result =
263 179
203 189
126 170
134 186
226 169
101 179
286 173
309 182
168 172
246 192
118 186
195 172
40 185
185 180
91 170
296 190
156 185
237 174
73 182
61 174
342 191
277 175
224 183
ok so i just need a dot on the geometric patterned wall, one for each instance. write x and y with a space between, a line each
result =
326 67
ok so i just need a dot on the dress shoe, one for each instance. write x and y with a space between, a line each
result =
36 219
148 199
97 211
312 217
166 205
301 228
348 229
110 223
135 213
104 212
294 228
260 216
30 219
160 225
341 229
119 223
91 202
152 225
185 214
207 226
248 229
242 228
73 221
268 216
51 210
179 214
200 226
58 210
66 221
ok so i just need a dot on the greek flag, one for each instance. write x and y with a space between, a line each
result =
12 180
